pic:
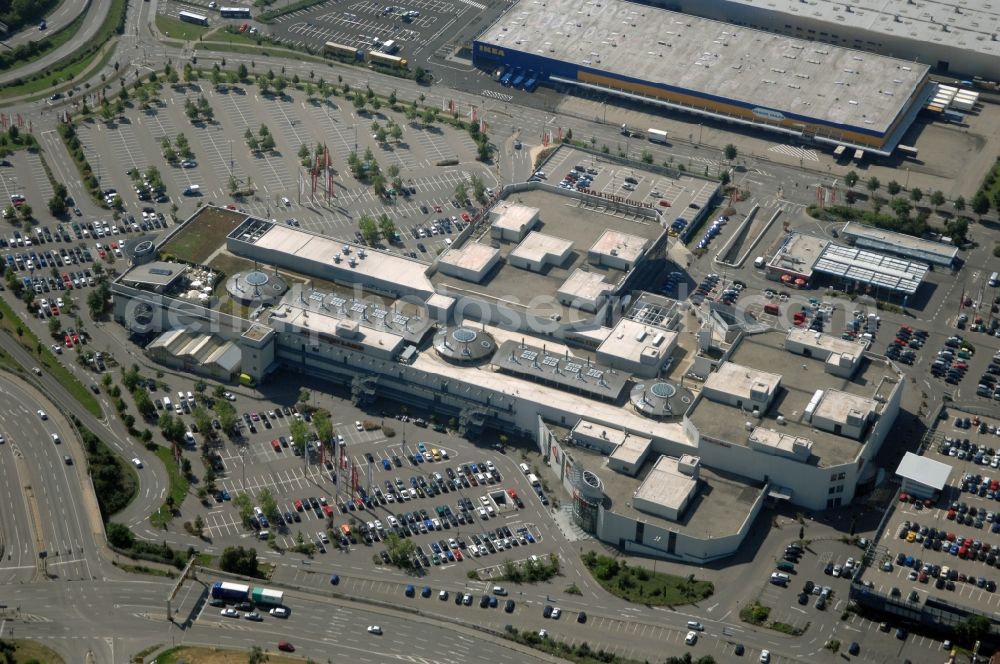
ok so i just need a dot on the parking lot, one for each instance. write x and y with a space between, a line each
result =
949 548
219 149
459 504
370 25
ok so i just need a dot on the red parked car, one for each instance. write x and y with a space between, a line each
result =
286 646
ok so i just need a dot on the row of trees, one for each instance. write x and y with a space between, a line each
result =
980 204
370 228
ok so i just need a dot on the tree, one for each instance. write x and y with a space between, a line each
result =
916 194
901 207
937 198
57 204
203 420
9 212
400 550
257 656
957 229
244 506
730 153
429 116
226 414
303 152
299 433
143 403
97 300
26 211
893 187
55 327
268 504
172 427
478 189
972 629
304 396
395 131
462 192
873 184
387 227
959 203
237 560
980 203
851 179
323 427
368 228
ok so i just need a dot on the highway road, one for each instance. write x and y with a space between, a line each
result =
50 490
64 14
96 13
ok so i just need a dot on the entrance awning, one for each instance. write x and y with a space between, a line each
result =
779 493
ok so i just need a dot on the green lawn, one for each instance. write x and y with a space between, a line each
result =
638 584
178 487
177 29
203 235
26 652
11 322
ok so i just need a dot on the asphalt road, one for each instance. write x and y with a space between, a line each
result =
96 13
65 13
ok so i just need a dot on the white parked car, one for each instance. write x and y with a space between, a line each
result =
374 629
357 425
691 638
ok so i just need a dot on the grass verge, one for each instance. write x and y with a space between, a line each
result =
178 29
758 614
116 484
12 323
23 651
581 653
177 492
193 655
637 584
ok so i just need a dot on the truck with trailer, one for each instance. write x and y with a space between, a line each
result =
267 597
386 60
656 136
344 51
233 592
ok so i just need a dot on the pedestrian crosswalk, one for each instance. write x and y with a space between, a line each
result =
797 153
471 3
493 94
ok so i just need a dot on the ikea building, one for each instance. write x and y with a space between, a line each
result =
806 90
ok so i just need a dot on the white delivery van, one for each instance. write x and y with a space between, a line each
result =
533 479
192 190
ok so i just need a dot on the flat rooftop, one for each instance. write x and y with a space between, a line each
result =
303 247
820 341
899 242
800 378
630 340
899 275
513 217
799 253
970 26
563 369
624 246
508 387
471 256
721 502
560 217
154 274
832 84
541 248
740 380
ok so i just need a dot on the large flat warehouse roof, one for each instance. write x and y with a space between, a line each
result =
970 25
719 61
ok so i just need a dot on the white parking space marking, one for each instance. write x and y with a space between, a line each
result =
38 176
